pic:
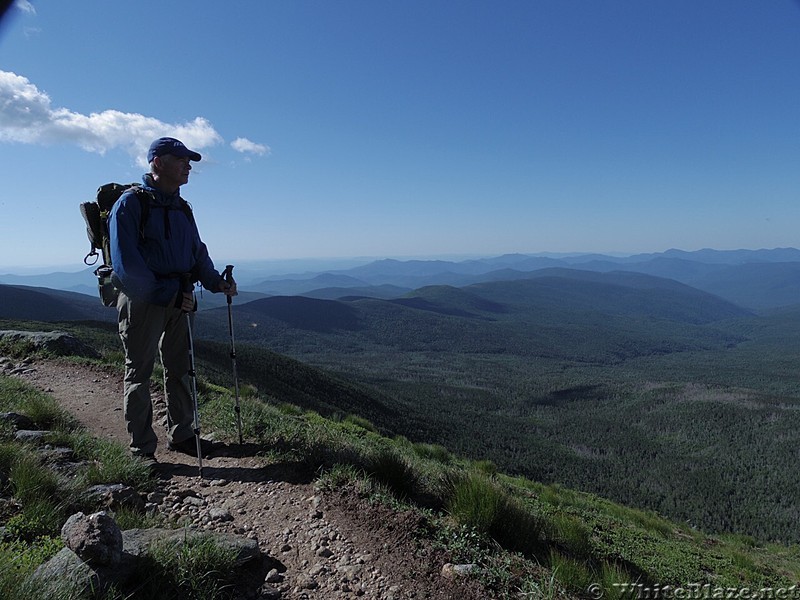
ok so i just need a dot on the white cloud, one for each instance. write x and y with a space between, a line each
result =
27 116
25 6
244 145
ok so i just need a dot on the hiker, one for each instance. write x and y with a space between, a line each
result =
150 259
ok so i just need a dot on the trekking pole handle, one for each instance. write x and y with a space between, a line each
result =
227 275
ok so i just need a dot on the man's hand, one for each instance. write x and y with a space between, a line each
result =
229 289
187 302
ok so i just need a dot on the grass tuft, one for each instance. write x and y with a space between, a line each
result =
196 568
395 472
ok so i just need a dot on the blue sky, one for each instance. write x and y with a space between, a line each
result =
414 128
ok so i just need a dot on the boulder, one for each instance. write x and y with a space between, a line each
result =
67 570
17 420
95 538
57 342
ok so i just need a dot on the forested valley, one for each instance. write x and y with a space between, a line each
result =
636 388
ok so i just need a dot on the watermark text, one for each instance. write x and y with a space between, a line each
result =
693 591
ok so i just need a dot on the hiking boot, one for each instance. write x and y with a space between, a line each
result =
148 459
189 446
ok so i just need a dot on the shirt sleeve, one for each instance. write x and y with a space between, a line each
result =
204 266
131 272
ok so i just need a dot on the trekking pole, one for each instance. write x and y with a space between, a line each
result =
186 286
227 274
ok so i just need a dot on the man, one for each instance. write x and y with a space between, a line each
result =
152 250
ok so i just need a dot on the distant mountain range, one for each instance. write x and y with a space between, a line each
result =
752 279
555 313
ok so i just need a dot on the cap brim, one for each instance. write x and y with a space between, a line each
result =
193 155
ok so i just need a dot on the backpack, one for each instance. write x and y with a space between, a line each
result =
95 214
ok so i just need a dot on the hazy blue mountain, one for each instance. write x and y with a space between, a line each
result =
77 281
616 293
557 313
374 291
303 313
207 300
754 285
751 286
287 287
43 304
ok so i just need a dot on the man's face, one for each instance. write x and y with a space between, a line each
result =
175 170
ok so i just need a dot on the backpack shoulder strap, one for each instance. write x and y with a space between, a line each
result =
144 198
187 210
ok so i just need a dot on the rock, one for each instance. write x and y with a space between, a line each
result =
17 420
220 514
305 582
57 342
95 538
27 435
451 571
136 542
116 495
270 593
66 570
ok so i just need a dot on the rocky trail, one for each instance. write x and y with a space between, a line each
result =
325 545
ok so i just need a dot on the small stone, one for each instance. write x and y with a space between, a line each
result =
270 593
451 571
27 435
307 583
274 577
220 514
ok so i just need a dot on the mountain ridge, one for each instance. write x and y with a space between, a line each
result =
755 279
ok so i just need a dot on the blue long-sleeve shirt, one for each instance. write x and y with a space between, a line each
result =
147 267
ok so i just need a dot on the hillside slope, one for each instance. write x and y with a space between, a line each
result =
44 304
275 504
333 543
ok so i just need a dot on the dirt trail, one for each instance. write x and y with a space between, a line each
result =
327 546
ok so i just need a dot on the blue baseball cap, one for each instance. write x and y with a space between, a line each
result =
168 145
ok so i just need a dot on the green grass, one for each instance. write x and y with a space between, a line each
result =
43 498
195 568
16 396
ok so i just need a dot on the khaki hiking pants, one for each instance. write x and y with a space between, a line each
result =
146 329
